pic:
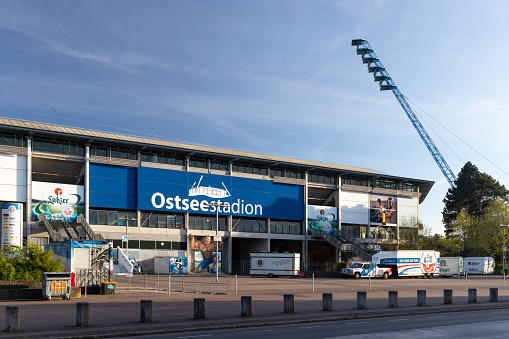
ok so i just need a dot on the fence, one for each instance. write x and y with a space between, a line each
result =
181 283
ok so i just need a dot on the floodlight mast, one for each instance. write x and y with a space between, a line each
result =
381 75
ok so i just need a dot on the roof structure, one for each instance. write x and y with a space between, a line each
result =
94 137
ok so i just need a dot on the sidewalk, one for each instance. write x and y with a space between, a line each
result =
119 314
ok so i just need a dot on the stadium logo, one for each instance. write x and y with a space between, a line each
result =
211 192
428 264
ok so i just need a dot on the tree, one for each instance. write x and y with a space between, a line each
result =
17 263
473 193
482 236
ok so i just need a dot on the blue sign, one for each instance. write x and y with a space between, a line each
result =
178 191
164 190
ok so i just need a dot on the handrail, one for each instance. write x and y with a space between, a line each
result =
55 236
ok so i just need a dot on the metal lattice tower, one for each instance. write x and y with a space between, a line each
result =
381 75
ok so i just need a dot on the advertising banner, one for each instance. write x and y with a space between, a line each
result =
59 202
179 191
206 253
178 265
12 221
323 218
383 210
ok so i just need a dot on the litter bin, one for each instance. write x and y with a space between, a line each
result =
108 287
56 284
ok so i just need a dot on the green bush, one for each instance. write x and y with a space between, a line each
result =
340 265
498 270
17 263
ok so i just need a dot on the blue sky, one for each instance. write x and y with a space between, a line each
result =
271 77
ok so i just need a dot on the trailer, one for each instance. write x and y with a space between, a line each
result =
412 263
275 264
479 265
450 266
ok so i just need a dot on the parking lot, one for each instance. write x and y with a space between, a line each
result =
112 315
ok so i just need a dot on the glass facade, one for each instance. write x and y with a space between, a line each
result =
163 158
249 225
162 220
113 218
61 146
207 222
285 227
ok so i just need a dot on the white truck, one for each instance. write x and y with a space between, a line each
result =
450 266
365 270
479 265
411 263
275 264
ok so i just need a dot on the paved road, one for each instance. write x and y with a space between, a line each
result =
115 315
473 324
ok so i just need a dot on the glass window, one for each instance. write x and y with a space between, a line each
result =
92 217
144 219
198 163
218 165
132 220
153 221
112 218
122 218
161 221
103 217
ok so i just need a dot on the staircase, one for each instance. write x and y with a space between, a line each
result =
62 230
345 242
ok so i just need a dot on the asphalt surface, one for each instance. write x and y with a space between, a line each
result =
118 315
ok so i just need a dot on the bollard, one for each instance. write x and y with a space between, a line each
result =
245 306
199 308
393 298
235 284
146 311
327 301
145 280
82 311
361 300
12 319
313 283
289 304
493 295
472 295
421 297
447 296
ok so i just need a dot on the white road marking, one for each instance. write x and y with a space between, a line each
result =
358 323
311 327
258 331
404 319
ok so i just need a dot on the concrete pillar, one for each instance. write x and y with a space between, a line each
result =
447 296
421 297
289 303
245 306
82 314
493 295
87 182
12 319
361 300
146 311
393 298
472 295
327 302
199 308
28 205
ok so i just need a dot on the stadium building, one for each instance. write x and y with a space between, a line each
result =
148 196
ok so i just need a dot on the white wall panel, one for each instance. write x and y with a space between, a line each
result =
13 178
407 208
354 207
